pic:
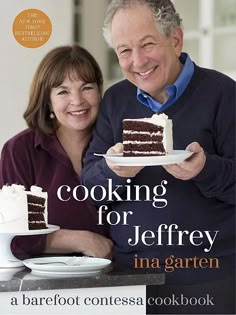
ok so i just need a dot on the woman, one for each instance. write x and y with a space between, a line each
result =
63 105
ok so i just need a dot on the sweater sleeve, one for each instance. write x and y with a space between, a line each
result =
217 179
16 168
95 171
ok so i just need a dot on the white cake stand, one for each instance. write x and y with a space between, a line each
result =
7 259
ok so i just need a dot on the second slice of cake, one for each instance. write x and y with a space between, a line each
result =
148 136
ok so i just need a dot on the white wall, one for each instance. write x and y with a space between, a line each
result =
93 12
18 64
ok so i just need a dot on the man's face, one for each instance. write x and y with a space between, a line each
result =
148 59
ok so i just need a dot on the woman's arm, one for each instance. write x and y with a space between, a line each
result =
74 241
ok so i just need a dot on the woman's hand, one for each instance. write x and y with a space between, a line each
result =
96 245
122 171
75 241
190 167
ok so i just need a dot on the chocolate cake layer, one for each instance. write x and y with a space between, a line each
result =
142 137
142 147
35 217
35 208
37 226
132 153
35 199
141 126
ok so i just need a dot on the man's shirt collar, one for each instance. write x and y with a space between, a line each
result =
174 91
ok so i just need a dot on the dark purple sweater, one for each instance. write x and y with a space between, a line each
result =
205 113
32 158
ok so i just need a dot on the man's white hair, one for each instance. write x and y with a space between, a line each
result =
163 11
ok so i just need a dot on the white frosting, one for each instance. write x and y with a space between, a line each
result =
36 190
163 121
17 187
139 142
131 132
14 208
159 120
145 152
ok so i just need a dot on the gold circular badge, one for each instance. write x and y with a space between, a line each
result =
32 28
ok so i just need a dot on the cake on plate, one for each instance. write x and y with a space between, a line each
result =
21 210
148 136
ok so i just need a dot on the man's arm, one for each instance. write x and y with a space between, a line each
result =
214 174
105 135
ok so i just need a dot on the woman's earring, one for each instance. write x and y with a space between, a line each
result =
52 116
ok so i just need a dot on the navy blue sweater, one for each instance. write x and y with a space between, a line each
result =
204 113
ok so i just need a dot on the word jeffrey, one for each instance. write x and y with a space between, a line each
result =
164 235
149 238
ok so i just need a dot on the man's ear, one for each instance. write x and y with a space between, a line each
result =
177 39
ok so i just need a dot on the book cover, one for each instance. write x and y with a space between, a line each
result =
168 249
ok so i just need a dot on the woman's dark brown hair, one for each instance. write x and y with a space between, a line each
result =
74 61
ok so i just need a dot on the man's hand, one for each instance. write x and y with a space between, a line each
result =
190 167
122 171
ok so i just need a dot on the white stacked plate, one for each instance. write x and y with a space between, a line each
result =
64 265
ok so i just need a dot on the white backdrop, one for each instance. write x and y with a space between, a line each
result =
18 64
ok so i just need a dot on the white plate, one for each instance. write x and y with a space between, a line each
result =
177 156
81 265
51 228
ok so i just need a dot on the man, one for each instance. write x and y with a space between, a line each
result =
199 195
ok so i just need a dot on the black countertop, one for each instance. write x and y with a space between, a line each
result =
21 279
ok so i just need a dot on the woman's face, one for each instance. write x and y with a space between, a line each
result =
75 104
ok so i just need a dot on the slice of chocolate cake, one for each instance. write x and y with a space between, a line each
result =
22 210
147 136
36 212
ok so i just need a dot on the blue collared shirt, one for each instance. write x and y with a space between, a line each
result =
174 91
